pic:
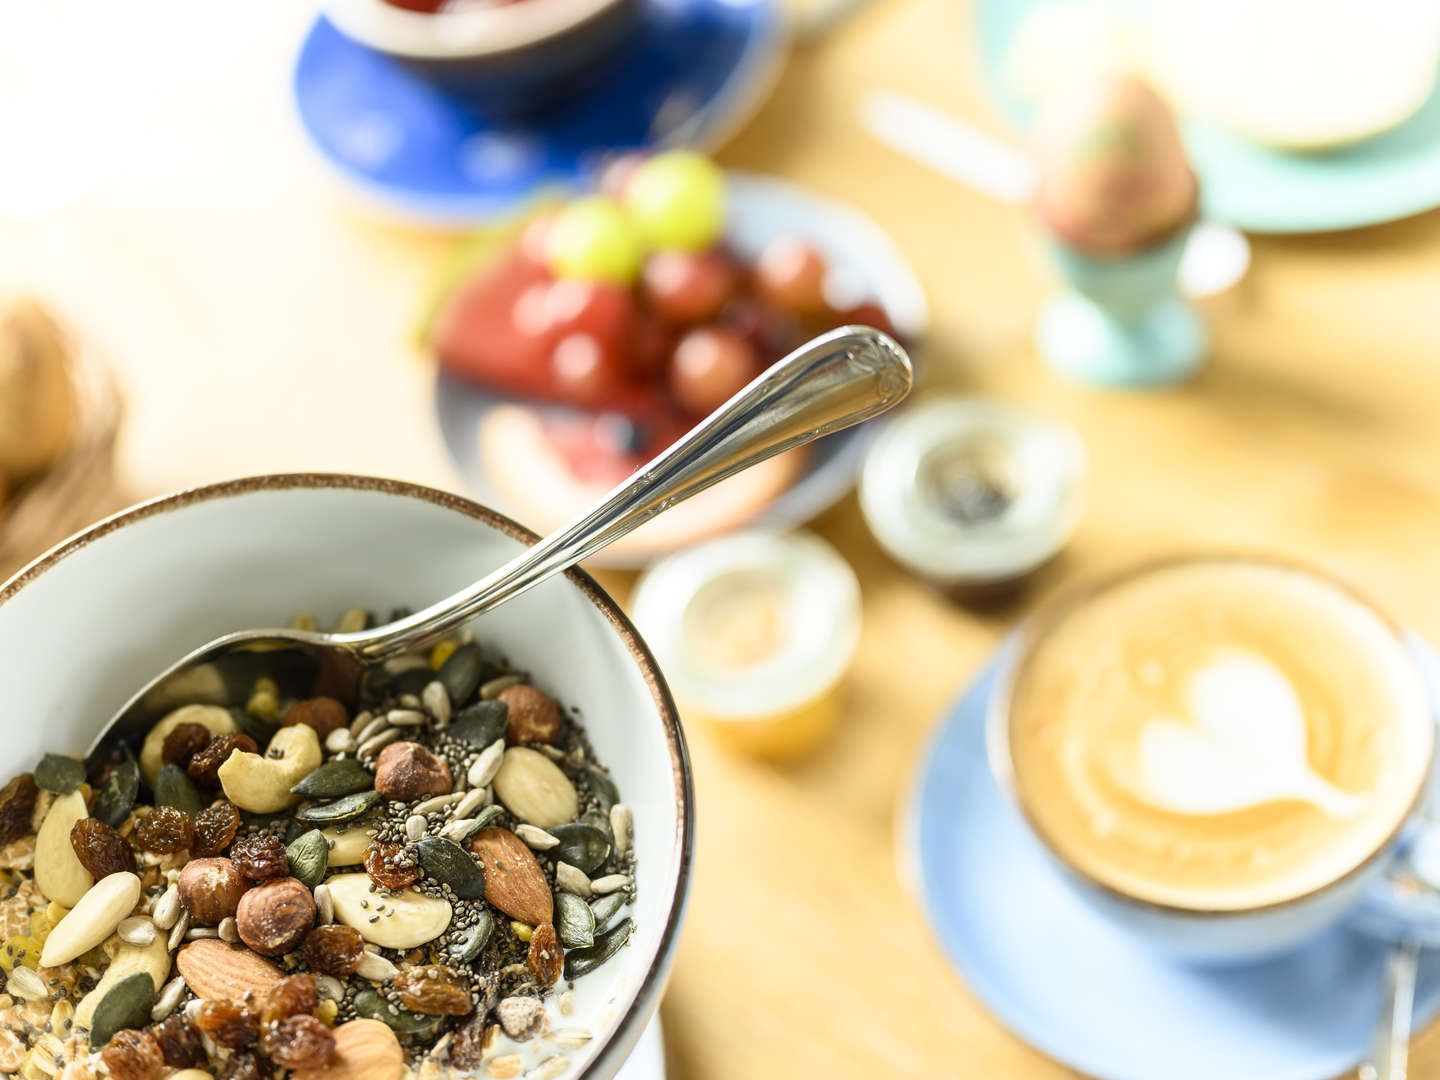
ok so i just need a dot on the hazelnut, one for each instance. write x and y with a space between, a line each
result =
210 889
534 716
324 714
406 771
275 916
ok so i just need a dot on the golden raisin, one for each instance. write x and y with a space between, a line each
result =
289 997
165 831
324 714
215 827
300 1042
231 1024
17 803
434 990
183 743
100 849
260 857
178 1040
391 865
132 1055
205 765
334 949
545 959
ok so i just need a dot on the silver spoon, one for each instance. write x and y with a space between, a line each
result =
834 381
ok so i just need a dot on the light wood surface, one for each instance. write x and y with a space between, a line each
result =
260 323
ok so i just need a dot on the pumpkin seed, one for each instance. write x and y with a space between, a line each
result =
371 1005
463 672
350 808
574 921
602 786
583 961
127 1005
59 773
482 723
599 821
450 864
309 856
117 794
475 936
607 907
334 779
175 789
581 846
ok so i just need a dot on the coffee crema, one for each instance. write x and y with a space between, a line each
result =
1217 735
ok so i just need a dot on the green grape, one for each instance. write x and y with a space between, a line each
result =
593 240
678 201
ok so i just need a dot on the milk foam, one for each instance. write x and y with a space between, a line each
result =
1241 744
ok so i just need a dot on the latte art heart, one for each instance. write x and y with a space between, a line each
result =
1218 734
1242 744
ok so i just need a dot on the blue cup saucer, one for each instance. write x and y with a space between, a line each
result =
691 72
1083 991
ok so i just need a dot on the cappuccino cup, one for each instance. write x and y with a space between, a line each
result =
1220 753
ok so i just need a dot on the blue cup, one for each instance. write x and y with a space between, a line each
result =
1120 320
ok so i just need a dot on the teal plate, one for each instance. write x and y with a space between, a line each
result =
1258 189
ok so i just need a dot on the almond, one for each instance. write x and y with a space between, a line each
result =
219 972
364 1050
514 882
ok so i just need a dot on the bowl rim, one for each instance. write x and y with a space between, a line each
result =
637 1014
461 35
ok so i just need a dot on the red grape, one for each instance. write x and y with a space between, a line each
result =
710 365
585 371
687 288
790 274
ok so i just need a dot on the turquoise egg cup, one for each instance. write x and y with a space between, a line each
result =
1120 321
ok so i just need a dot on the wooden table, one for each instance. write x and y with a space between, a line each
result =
260 325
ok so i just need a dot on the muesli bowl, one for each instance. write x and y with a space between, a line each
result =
87 623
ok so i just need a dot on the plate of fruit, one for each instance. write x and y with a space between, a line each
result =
577 344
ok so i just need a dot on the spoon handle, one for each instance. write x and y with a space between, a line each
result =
834 381
1390 1052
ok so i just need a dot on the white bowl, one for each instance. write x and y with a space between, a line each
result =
88 623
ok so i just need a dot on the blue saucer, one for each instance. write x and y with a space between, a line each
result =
1085 993
692 72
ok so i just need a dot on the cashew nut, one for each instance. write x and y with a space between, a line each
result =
58 873
347 844
154 959
262 784
213 717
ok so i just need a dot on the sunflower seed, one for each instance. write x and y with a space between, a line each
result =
610 883
198 933
178 931
376 742
228 931
622 822
487 764
167 908
324 904
414 827
329 988
376 968
495 687
569 879
538 839
471 801
360 723
373 726
437 701
439 802
406 717
136 930
168 998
